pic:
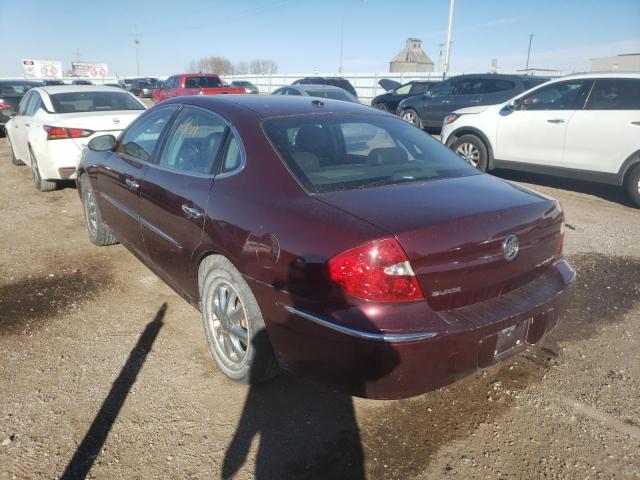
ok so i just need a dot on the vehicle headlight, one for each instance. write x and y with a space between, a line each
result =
451 118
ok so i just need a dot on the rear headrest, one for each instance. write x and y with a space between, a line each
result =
307 161
387 156
311 138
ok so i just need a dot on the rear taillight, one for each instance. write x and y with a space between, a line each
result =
58 133
560 245
378 271
4 106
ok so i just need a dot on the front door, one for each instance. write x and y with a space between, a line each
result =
120 177
20 127
534 130
175 192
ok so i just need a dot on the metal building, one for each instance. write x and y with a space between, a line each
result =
626 62
412 58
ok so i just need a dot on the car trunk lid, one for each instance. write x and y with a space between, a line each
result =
453 232
101 123
388 84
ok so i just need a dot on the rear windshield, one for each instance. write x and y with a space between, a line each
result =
93 102
328 152
335 94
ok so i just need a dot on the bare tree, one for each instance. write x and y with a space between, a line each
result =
212 64
241 68
261 65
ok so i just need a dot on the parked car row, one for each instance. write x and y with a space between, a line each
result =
321 236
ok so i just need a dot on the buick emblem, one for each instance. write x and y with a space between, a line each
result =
510 247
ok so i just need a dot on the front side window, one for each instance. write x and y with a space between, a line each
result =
404 89
88 101
468 86
140 139
24 104
559 96
615 94
193 142
418 88
329 152
202 82
443 89
494 85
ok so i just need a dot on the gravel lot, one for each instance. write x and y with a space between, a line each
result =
89 379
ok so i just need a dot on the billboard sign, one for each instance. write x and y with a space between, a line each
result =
41 69
89 70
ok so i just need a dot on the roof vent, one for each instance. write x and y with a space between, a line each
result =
317 103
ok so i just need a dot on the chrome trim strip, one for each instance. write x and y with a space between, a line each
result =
378 337
160 233
120 206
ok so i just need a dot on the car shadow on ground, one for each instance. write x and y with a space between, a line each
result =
611 193
93 441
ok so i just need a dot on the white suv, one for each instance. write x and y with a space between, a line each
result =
582 126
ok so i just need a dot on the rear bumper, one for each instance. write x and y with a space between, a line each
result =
389 365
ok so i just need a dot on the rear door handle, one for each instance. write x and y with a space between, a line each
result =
27 124
555 120
475 101
446 101
192 212
132 184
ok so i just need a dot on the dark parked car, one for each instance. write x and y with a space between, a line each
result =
11 92
429 110
335 81
322 91
396 93
329 238
248 86
51 83
82 82
143 87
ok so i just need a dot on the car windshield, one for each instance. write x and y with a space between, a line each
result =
15 88
334 94
328 152
93 102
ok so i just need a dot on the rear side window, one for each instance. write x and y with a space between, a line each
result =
232 157
24 104
342 152
193 142
334 94
615 94
201 82
494 85
140 139
418 88
468 86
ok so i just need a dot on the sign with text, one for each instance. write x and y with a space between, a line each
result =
89 70
41 69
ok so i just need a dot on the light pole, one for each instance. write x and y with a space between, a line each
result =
344 14
448 50
526 68
136 42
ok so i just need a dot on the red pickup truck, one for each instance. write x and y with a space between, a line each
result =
192 84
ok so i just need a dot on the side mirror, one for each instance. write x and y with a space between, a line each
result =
103 143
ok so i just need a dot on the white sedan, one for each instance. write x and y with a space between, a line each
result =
54 124
583 126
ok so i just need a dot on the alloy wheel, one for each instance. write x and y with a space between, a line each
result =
409 116
91 212
228 322
470 153
35 173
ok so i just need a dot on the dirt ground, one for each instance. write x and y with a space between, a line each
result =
105 371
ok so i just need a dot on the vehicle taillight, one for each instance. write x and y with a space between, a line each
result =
4 105
58 133
378 270
560 245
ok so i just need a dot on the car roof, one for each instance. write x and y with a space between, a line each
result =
502 76
603 74
321 86
266 106
53 89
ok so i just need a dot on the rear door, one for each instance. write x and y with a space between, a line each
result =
21 124
175 192
120 177
607 131
534 132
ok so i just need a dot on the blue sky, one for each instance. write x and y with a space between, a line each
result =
304 35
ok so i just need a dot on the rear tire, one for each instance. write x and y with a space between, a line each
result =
14 159
40 183
381 106
233 324
472 150
411 116
632 185
99 233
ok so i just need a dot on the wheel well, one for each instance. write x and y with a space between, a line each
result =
628 165
476 133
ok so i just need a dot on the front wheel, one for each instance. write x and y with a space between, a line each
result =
411 116
233 324
632 185
472 150
99 233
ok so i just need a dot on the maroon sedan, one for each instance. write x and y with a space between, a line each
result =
329 239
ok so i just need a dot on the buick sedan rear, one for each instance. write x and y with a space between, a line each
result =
330 239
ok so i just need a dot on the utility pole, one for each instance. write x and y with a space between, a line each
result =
136 42
448 51
526 68
341 43
77 55
441 45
